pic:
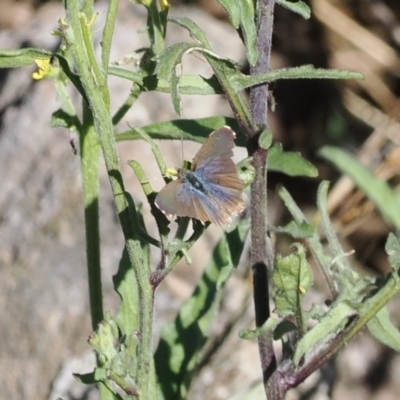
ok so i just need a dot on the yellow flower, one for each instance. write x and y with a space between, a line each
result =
171 172
45 69
164 4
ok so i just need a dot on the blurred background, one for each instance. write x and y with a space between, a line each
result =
44 319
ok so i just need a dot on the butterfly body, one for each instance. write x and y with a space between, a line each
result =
211 189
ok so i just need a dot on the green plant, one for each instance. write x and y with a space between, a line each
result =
123 343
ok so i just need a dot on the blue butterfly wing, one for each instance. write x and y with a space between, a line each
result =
219 145
172 200
183 200
214 168
220 195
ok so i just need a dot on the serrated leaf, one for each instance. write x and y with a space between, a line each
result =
195 32
181 345
22 57
325 330
289 163
298 231
386 200
382 329
292 278
169 67
298 7
196 130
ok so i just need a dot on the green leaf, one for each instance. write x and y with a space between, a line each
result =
196 130
22 57
298 7
195 32
382 329
99 374
292 278
241 81
317 250
188 84
169 63
393 250
386 200
242 13
226 71
298 231
289 163
125 284
61 119
265 140
246 171
133 76
325 331
233 10
104 339
74 78
268 327
181 345
249 29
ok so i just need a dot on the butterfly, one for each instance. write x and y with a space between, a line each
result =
211 189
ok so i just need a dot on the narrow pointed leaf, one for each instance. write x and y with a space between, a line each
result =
383 330
242 81
386 200
249 29
325 330
169 68
196 130
298 7
22 57
195 32
289 163
233 10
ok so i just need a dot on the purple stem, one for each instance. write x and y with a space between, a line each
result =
261 249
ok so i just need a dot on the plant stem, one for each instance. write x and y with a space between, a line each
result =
78 36
90 152
261 250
